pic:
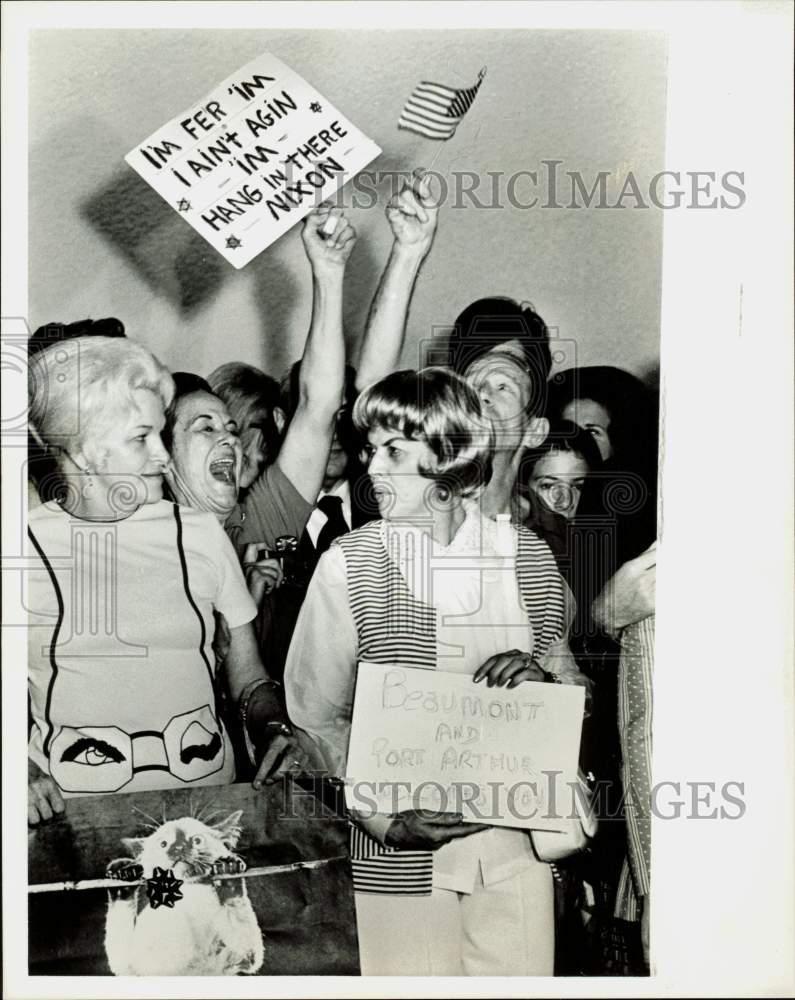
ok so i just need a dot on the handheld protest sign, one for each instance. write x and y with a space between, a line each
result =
427 739
215 880
253 157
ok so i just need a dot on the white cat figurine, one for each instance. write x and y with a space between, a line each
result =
211 931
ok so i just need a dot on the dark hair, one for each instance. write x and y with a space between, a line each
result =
55 333
564 436
185 383
438 407
251 397
628 402
616 496
487 323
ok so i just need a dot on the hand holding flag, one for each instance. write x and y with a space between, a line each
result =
412 215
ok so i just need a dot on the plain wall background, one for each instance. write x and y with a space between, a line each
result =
103 243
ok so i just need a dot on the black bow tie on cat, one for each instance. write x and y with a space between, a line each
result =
335 525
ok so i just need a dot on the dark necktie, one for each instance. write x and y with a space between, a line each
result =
335 525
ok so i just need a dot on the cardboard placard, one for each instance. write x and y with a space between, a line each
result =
253 157
435 740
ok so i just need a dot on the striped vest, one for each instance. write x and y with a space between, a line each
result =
394 627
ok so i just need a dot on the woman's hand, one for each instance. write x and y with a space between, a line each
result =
412 215
509 669
262 575
279 750
628 596
44 796
285 755
328 240
425 830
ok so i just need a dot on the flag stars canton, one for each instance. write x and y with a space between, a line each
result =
232 243
463 102
184 205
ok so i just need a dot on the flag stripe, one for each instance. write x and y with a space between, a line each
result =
430 113
417 114
429 130
424 130
416 100
448 93
420 119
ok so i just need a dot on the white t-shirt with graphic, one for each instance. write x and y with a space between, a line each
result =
121 667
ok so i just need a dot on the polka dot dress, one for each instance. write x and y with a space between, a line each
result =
635 671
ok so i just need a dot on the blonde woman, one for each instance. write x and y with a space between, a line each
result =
121 594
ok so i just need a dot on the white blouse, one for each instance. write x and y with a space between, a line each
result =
471 582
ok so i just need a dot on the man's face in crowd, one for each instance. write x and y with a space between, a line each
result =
504 384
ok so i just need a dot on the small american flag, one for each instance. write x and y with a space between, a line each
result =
435 111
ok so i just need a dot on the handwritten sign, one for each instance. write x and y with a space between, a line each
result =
252 158
427 739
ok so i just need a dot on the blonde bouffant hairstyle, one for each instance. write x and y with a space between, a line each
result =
438 407
80 388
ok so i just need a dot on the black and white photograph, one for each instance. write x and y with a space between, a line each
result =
389 386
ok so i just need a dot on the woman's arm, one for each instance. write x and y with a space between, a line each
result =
270 739
304 452
412 216
320 672
271 744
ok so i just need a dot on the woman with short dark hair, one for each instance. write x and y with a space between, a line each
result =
411 589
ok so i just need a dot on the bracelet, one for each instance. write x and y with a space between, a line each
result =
242 708
549 677
282 727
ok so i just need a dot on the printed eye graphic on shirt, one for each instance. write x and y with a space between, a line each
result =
197 743
91 759
105 758
91 751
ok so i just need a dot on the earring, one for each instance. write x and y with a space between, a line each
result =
86 482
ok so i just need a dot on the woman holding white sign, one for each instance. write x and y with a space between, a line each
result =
388 593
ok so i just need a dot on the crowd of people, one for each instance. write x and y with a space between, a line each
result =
214 556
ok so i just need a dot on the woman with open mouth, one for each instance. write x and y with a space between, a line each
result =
123 587
207 458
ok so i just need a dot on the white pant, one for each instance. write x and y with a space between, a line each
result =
505 929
